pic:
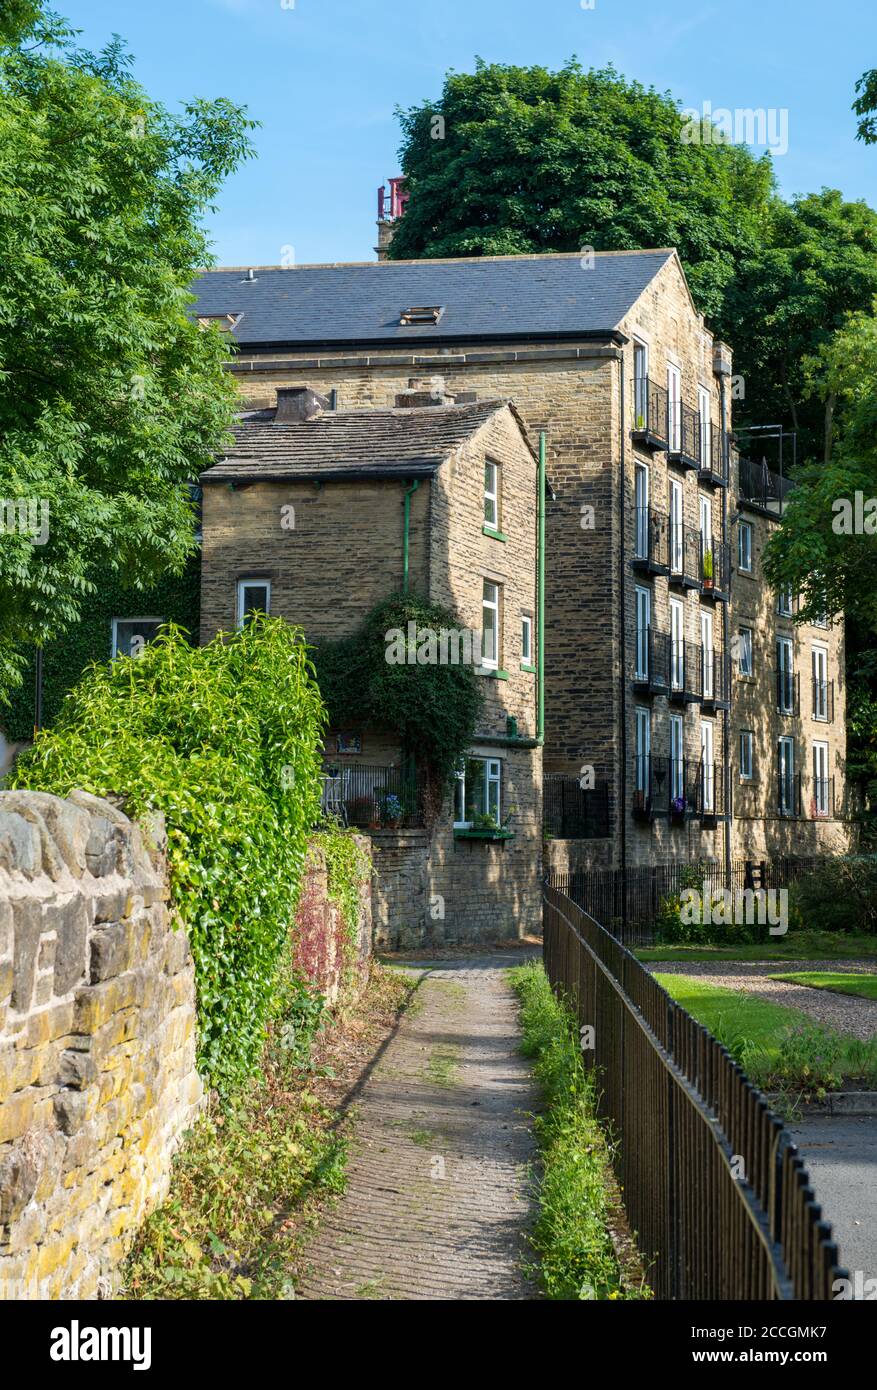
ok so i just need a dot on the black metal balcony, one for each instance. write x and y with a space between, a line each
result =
713 459
651 662
715 692
684 436
686 673
821 805
788 698
649 413
715 570
711 803
650 784
822 708
375 797
684 556
651 541
573 812
682 789
760 487
788 795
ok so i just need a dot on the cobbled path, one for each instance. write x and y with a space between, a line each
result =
437 1204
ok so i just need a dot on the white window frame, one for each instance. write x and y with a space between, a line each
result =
677 524
704 410
677 756
708 763
251 582
820 782
490 605
746 657
527 639
491 495
641 511
643 745
643 628
707 644
746 748
785 601
819 659
114 639
705 512
640 383
744 552
674 407
786 766
492 779
786 665
677 644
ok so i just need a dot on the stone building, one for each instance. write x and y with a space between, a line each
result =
648 687
318 514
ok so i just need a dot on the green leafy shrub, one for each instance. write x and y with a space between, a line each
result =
840 895
225 741
812 1056
348 866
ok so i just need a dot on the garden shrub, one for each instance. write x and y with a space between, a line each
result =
225 741
840 895
348 866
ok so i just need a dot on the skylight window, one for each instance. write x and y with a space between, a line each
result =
226 323
421 314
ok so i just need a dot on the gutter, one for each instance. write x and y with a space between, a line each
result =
406 526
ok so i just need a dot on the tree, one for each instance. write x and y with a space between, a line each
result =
513 160
865 106
111 398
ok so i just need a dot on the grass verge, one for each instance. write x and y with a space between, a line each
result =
577 1203
777 1047
839 982
252 1175
800 945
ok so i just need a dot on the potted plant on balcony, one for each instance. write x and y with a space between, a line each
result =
391 811
677 810
707 569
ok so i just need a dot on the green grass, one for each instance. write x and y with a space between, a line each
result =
572 1238
795 945
777 1047
443 1066
865 986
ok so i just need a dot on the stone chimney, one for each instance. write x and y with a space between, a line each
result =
424 390
298 404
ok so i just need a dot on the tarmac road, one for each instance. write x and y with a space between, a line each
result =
841 1155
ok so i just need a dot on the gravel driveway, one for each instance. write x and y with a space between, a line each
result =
843 1012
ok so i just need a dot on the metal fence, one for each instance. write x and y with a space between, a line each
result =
713 1186
362 795
628 901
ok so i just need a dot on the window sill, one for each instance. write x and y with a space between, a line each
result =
530 669
462 834
494 535
491 673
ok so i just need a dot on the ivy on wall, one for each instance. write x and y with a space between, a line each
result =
176 599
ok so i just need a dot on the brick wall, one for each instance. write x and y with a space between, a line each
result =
321 948
97 1041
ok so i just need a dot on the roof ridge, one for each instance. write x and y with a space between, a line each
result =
441 260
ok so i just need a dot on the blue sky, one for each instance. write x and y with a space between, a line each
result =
324 76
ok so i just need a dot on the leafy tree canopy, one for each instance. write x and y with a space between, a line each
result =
111 398
513 160
865 105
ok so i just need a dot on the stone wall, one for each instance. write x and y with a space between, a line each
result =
320 945
97 1040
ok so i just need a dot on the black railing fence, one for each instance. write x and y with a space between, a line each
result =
650 412
573 812
363 795
628 901
713 1186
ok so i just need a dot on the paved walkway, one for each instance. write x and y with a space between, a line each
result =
845 1013
437 1203
841 1157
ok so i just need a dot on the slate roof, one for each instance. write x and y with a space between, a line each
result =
505 297
349 443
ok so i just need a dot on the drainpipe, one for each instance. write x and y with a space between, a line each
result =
726 717
540 596
622 801
409 493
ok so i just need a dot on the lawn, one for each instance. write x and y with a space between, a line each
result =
800 945
775 1045
840 982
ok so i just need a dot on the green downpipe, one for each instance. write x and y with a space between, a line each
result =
540 570
406 525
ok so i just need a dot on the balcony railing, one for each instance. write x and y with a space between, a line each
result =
650 413
787 691
651 662
714 689
573 812
686 672
677 788
651 541
712 458
650 786
710 792
823 701
363 795
822 799
715 569
788 795
684 435
684 558
761 487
